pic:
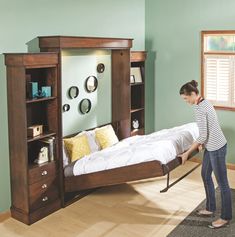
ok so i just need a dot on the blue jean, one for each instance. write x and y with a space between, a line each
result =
215 161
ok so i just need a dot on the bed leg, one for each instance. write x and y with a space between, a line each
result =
167 181
168 185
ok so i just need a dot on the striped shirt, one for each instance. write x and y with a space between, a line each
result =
210 133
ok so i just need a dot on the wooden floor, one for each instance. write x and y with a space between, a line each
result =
128 210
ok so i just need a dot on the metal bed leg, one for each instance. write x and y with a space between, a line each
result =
172 184
167 181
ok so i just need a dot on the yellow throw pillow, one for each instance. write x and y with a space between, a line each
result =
77 147
106 136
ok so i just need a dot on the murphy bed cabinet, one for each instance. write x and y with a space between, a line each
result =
35 190
120 67
137 59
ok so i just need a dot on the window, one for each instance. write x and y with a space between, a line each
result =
218 68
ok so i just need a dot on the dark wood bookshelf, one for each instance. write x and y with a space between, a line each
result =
34 188
138 93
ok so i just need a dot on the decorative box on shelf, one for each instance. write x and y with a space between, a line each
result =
34 130
46 91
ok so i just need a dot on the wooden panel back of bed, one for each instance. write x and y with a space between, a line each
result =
114 176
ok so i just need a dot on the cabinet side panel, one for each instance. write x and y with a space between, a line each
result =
17 136
121 92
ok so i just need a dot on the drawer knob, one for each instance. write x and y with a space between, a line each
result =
44 173
44 186
45 199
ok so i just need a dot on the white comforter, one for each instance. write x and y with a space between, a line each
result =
163 145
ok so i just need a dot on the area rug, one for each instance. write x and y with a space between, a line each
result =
194 226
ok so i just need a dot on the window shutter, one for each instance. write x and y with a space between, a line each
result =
232 84
218 76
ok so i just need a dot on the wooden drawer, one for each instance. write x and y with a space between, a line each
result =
43 192
39 173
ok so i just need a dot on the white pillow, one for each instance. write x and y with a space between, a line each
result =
66 159
94 145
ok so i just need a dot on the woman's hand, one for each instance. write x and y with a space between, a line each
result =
200 147
195 146
184 156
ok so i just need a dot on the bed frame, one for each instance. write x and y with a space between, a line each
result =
76 187
124 174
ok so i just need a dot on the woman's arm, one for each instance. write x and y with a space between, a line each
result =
201 120
184 156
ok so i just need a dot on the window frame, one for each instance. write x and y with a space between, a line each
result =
214 32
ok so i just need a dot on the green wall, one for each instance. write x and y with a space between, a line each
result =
173 37
77 66
22 21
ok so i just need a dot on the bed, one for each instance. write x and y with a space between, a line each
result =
133 158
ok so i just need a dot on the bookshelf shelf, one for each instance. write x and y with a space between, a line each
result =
136 110
139 131
44 135
39 100
137 84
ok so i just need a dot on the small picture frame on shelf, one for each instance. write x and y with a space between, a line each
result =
136 72
132 79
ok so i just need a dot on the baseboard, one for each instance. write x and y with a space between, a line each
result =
198 160
231 166
4 216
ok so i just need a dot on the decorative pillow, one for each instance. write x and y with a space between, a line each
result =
77 147
66 158
106 136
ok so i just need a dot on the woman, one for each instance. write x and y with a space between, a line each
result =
212 138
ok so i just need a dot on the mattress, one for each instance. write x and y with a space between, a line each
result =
163 145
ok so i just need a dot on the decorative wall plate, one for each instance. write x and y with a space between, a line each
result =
73 92
100 68
66 107
91 84
85 106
